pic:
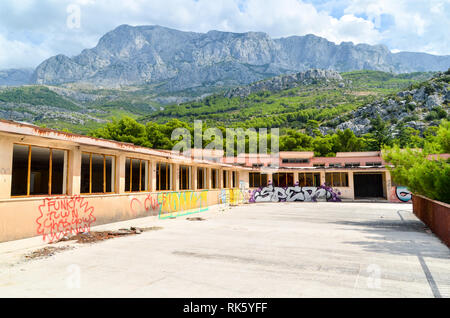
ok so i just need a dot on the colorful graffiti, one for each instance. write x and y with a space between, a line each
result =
294 194
171 204
149 204
403 194
231 197
62 216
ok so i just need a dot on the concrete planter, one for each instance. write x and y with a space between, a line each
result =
435 214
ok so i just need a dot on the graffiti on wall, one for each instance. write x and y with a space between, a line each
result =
229 197
403 194
294 194
171 204
59 217
148 204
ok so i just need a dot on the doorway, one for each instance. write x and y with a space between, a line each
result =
368 185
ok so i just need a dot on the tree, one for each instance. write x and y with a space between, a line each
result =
421 173
380 132
295 141
345 141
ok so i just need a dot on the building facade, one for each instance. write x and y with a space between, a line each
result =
53 183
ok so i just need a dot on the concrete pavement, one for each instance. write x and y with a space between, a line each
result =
257 250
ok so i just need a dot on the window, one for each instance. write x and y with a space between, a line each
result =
163 176
225 179
319 165
373 164
214 178
352 165
336 179
335 165
185 177
136 175
283 179
257 180
201 178
38 171
257 165
295 160
97 173
309 179
233 179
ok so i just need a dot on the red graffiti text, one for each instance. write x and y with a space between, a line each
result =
62 216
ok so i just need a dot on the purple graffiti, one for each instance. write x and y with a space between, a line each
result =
294 194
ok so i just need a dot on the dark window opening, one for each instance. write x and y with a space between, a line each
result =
373 164
163 176
136 175
336 179
283 180
295 160
201 178
185 177
225 180
257 180
233 179
309 179
97 173
214 178
38 171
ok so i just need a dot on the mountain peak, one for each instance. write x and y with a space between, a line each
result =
131 55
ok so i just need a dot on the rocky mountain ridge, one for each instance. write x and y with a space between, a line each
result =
181 60
422 106
282 82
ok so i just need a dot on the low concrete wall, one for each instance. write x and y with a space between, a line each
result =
52 217
435 214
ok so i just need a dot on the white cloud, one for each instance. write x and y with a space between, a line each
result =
32 30
17 54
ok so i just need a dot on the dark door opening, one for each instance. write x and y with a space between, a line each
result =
368 185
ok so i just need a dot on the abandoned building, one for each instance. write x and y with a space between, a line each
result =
53 182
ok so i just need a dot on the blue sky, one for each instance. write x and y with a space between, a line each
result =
33 30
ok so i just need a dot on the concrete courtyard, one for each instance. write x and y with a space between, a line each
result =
257 250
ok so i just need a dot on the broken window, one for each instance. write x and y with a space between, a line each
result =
185 177
136 175
163 176
38 171
97 173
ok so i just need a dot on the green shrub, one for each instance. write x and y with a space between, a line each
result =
428 176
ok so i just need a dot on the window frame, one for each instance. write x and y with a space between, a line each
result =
234 179
140 175
113 168
251 180
169 176
313 178
204 178
188 177
226 181
340 179
28 195
215 185
286 179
